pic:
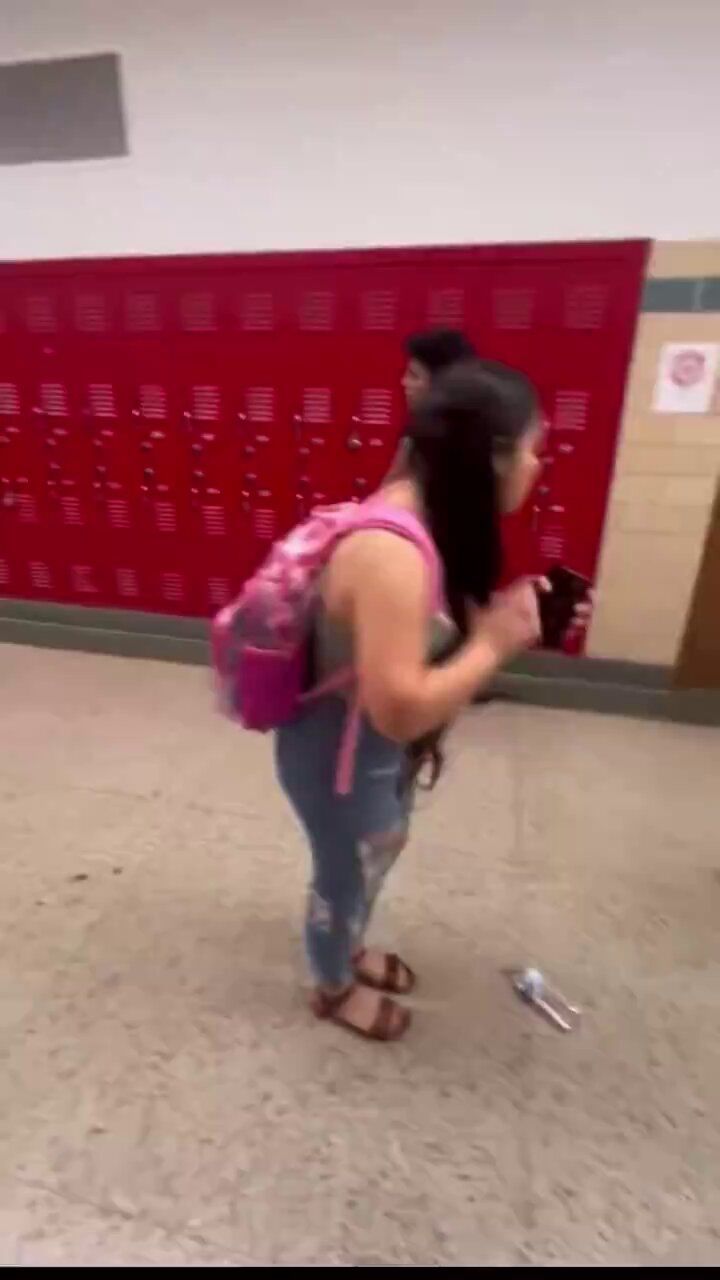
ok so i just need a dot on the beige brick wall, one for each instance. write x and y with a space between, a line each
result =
666 472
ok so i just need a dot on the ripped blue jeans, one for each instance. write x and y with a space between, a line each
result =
354 840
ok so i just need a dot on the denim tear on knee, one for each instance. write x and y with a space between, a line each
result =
378 853
319 912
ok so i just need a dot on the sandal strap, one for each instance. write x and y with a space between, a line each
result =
388 1021
393 971
397 976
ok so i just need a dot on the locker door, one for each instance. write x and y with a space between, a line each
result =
160 426
317 363
589 367
107 399
385 305
27 564
65 497
156 435
514 307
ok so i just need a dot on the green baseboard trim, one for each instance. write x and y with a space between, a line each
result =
641 701
127 621
608 686
123 644
620 671
120 632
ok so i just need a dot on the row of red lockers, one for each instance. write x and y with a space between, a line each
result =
155 438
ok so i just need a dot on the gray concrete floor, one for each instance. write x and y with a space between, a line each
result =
166 1098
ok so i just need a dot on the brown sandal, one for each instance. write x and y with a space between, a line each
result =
398 978
390 1022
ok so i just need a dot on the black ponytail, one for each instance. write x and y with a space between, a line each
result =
474 413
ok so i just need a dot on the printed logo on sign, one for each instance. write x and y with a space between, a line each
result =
687 368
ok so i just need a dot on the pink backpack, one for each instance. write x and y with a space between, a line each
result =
260 641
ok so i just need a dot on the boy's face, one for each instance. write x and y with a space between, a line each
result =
415 382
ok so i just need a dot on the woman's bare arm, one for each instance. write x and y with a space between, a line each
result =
385 583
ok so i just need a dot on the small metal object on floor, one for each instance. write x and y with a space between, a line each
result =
530 985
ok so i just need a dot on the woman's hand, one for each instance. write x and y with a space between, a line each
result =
511 622
582 613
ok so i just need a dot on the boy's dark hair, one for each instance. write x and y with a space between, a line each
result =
437 349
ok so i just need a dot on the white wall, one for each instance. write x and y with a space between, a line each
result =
294 123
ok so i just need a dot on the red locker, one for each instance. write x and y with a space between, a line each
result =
162 421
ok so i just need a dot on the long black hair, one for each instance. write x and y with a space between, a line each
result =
473 414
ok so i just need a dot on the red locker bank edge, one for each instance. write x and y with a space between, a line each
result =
163 420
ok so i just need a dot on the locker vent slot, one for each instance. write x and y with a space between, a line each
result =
197 312
264 523
172 586
71 510
40 314
446 307
260 403
316 406
219 591
378 310
102 400
376 407
82 580
513 308
206 403
165 517
27 508
317 312
214 520
40 575
127 584
257 313
142 313
571 410
9 398
90 313
53 399
153 400
118 513
585 306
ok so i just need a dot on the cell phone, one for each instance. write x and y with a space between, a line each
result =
557 606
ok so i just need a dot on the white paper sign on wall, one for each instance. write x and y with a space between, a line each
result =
686 377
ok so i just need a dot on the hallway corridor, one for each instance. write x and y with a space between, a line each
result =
165 1097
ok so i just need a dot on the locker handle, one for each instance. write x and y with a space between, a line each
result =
354 443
